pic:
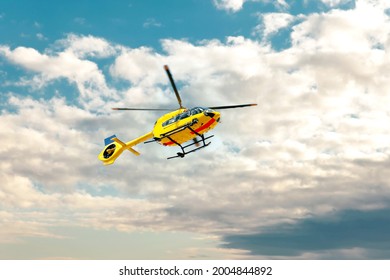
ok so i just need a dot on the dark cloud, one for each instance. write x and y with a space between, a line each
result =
368 230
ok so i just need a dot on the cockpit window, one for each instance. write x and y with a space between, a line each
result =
186 114
196 110
170 121
176 118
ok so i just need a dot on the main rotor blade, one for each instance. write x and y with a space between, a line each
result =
232 106
173 85
142 109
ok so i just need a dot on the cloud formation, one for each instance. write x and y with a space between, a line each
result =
236 5
316 144
229 5
351 235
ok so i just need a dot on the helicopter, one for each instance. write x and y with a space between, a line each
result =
174 128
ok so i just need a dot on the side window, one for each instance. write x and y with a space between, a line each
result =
196 110
182 116
185 115
171 120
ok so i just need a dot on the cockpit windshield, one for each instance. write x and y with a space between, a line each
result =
176 118
186 114
196 110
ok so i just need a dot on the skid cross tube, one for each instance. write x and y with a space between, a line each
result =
183 148
184 152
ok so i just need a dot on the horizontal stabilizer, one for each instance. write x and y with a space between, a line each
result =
133 151
114 139
124 145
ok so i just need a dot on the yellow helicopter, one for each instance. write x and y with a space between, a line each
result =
172 129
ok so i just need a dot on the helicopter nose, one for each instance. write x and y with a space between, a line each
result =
210 113
218 117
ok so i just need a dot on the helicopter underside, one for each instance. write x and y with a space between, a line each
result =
186 133
189 148
191 131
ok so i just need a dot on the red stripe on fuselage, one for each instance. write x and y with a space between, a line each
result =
203 127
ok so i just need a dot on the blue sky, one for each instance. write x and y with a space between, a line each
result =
304 175
133 23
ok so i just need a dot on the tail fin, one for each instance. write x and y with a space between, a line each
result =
114 148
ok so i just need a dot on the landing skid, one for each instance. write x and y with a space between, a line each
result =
184 150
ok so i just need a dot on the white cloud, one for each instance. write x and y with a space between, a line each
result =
237 5
88 46
151 22
272 23
335 3
136 65
68 64
41 37
229 5
357 30
27 212
382 4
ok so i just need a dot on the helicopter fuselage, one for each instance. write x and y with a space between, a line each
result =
183 125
